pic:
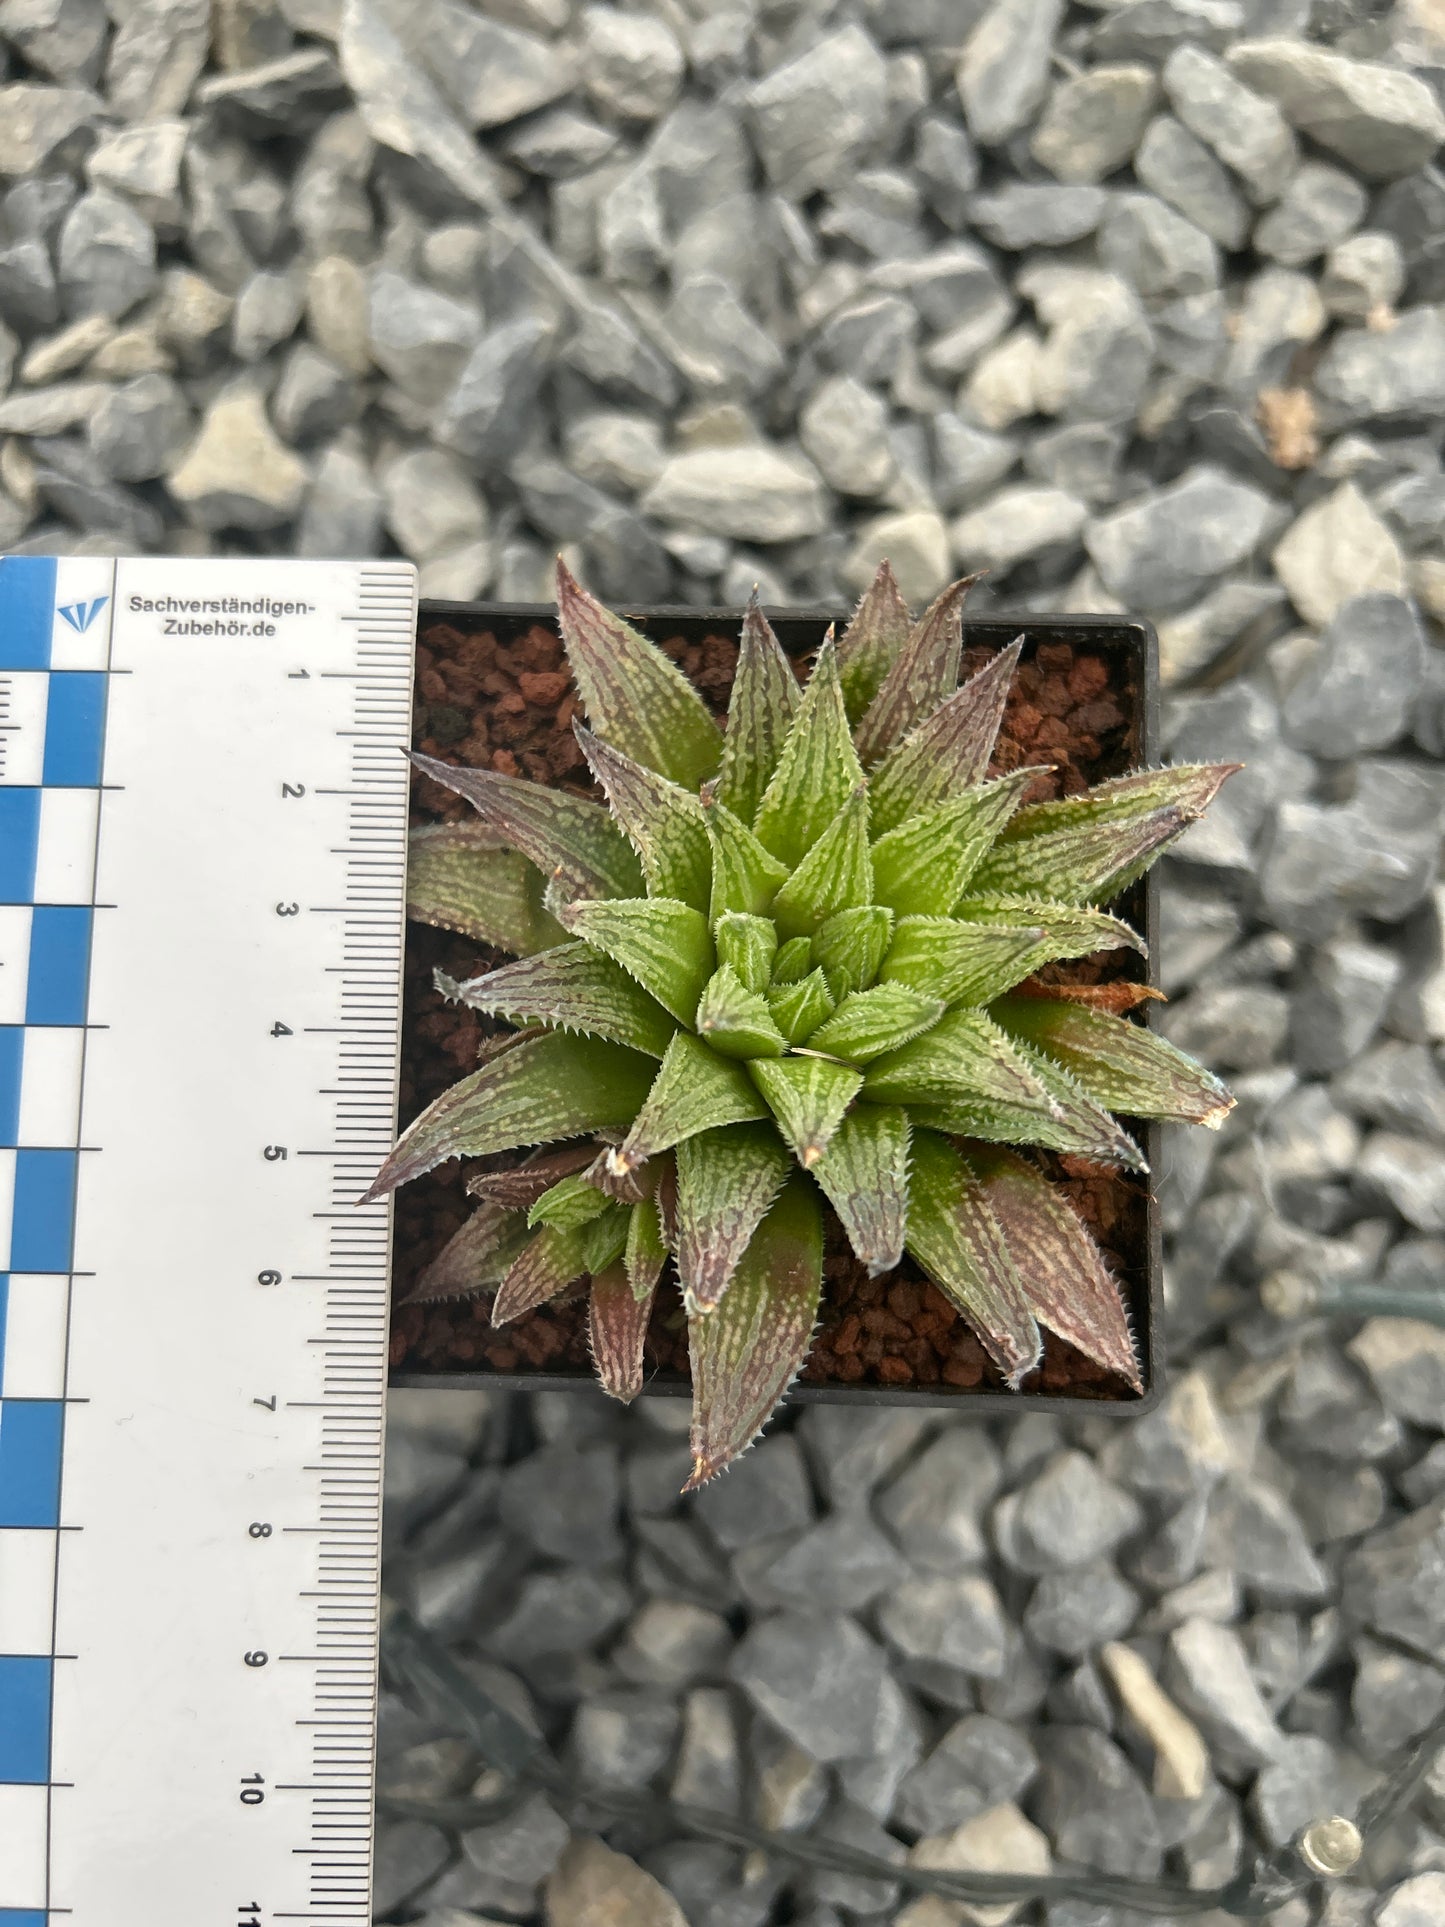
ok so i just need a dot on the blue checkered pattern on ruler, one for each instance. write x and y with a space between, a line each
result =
54 646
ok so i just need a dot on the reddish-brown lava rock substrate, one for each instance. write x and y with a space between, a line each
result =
507 704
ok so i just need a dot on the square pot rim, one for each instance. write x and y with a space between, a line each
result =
1128 634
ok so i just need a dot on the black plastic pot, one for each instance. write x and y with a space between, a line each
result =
1120 639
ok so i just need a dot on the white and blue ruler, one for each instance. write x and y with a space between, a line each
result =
202 878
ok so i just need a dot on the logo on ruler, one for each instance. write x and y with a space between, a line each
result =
80 615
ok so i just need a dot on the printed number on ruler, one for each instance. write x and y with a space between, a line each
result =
202 834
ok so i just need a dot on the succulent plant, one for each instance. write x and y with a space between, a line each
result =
790 961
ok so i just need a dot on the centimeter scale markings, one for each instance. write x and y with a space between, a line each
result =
202 881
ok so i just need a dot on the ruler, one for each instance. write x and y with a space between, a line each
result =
202 874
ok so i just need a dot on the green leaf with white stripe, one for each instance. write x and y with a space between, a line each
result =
870 1022
807 1097
960 963
726 1181
745 876
1117 1063
735 1020
864 1175
949 751
749 945
964 1058
572 987
646 1250
817 771
793 961
663 822
1069 930
921 868
568 1204
695 1090
462 877
635 697
957 1240
850 947
666 946
764 700
835 875
798 1008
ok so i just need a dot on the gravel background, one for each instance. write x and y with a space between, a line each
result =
1138 305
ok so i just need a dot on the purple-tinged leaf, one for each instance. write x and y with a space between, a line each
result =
519 1188
1118 1064
764 701
735 1020
665 946
800 1007
547 1087
747 1352
817 771
1079 1125
920 869
947 752
1063 1271
961 963
749 945
925 673
616 1328
873 640
745 876
632 694
807 1097
1069 930
726 1181
1086 849
695 1090
573 987
864 1174
957 1240
646 1250
474 1259
964 1059
850 947
462 877
545 1268
835 875
573 842
662 821
869 1023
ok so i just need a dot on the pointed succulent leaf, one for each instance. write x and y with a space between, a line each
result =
646 1250
1069 930
747 1352
920 868
736 1020
748 944
864 1175
1080 1125
519 1188
947 752
473 1259
568 1204
745 876
663 822
957 1240
726 1181
873 640
616 1329
961 963
544 1269
632 694
1119 1064
764 701
1086 849
573 842
925 673
604 1238
547 1087
664 945
817 771
867 1023
695 1090
965 1058
850 947
572 987
836 874
807 1097
1064 1274
793 961
460 876
799 1008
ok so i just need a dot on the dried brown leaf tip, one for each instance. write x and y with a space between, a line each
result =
791 961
